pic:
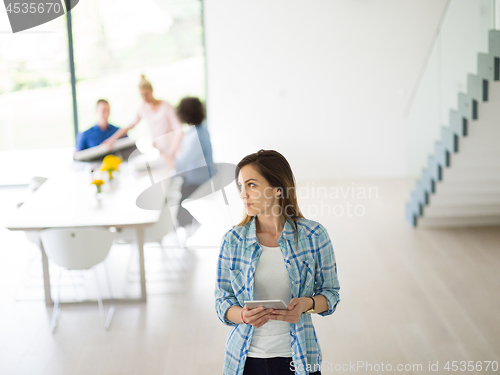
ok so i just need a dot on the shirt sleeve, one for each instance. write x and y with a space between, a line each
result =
115 129
80 142
326 280
224 293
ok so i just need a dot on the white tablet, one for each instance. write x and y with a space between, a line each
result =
268 304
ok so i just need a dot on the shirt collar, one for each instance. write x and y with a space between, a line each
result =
288 231
96 127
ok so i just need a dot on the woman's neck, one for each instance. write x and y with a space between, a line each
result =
154 102
270 224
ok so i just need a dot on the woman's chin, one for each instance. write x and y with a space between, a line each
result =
251 211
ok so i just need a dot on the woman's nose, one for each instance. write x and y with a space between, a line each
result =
243 194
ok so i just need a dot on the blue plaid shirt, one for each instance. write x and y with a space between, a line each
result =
312 270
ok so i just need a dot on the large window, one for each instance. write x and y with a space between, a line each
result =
114 41
35 91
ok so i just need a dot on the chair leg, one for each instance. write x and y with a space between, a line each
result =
99 298
56 312
105 321
129 273
111 300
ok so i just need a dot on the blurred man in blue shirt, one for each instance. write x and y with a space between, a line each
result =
98 133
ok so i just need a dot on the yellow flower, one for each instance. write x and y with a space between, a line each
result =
111 163
98 184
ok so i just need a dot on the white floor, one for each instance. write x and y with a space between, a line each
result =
408 296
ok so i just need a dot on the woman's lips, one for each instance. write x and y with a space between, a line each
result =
247 204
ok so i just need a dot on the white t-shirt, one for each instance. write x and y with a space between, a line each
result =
271 281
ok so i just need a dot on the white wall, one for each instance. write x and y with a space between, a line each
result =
325 82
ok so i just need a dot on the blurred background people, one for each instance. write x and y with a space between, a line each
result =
161 118
101 131
195 152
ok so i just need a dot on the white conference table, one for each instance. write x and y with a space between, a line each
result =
68 200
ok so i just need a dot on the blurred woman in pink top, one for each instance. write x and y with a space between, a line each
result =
162 120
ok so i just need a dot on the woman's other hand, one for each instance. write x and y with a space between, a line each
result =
295 309
256 317
110 142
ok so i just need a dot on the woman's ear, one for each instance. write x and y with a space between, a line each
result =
278 193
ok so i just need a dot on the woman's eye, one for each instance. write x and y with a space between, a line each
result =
251 184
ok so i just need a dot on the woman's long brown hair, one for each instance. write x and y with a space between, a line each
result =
275 169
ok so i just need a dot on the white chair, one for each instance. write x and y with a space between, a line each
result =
79 249
30 284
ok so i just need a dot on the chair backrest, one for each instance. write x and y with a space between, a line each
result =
77 248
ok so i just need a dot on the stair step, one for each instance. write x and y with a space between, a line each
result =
449 139
414 205
428 182
441 155
435 170
422 193
486 66
467 106
494 43
477 88
411 217
458 124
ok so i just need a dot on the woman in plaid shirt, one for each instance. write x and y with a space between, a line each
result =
274 253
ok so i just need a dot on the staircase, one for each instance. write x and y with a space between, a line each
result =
461 184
